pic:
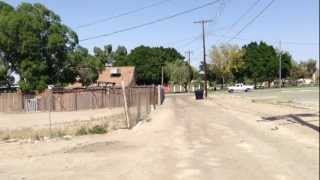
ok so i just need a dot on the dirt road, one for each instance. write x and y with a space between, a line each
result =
219 138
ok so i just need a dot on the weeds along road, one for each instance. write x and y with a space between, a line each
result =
219 138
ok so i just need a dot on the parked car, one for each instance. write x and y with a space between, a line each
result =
240 87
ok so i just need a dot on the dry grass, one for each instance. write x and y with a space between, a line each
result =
75 128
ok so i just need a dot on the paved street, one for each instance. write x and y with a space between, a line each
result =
301 96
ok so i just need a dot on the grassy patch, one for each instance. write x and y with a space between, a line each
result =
59 133
97 129
94 126
82 131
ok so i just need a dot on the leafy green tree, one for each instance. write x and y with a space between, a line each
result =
195 73
304 69
35 44
296 71
120 56
148 62
286 64
310 66
5 76
108 56
179 72
105 55
226 62
261 62
86 65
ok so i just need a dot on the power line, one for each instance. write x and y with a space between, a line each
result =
193 40
300 43
122 14
252 20
180 41
154 21
188 53
272 41
243 15
197 38
220 11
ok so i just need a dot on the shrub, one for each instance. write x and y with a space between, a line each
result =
37 137
6 137
58 133
97 130
82 131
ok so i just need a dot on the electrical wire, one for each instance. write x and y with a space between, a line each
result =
122 14
153 22
242 16
252 20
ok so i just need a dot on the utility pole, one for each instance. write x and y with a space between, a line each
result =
203 22
280 54
189 56
162 74
190 70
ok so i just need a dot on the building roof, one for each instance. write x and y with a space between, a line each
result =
75 85
126 74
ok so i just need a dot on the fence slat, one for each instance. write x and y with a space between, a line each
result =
80 99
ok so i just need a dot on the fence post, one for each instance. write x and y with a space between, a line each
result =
22 100
76 100
159 95
125 104
50 106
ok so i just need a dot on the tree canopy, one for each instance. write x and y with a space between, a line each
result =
179 72
35 44
148 62
261 62
226 61
303 69
38 47
85 65
257 62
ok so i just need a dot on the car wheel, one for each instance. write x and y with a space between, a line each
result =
246 90
230 91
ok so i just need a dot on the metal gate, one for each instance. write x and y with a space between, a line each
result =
31 105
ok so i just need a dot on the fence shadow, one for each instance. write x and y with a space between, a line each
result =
295 118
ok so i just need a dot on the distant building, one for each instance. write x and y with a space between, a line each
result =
115 75
76 85
315 77
111 76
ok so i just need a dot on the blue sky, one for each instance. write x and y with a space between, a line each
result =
285 20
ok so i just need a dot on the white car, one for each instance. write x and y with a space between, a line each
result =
240 87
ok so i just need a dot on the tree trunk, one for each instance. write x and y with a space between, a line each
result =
269 83
222 85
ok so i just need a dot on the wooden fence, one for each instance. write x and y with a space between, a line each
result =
77 99
11 102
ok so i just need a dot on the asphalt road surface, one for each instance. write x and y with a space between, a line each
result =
225 137
301 96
